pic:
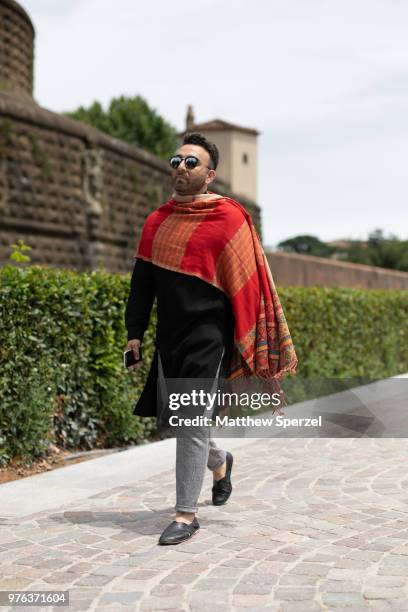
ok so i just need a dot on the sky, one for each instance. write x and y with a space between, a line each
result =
324 81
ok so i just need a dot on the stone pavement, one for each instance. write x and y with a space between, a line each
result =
312 524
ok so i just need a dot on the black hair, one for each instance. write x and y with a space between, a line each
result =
197 139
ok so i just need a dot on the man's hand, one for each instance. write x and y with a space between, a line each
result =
135 345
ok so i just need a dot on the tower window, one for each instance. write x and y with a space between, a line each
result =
245 158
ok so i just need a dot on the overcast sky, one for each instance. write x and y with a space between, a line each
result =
324 81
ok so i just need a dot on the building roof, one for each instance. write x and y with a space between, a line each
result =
219 125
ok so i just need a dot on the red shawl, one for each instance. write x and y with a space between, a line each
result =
213 237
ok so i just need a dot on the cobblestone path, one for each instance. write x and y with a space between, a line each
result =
312 524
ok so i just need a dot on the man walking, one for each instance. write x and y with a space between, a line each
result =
218 313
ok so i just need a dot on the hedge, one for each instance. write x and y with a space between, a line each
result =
62 337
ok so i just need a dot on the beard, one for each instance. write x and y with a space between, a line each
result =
189 186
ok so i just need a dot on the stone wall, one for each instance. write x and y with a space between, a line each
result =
16 49
306 270
79 198
75 195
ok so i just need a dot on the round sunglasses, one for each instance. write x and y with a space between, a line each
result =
190 162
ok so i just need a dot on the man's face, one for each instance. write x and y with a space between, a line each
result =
195 180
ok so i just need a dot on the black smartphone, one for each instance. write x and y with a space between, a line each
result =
129 357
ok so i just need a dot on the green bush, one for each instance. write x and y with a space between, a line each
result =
347 333
62 378
344 337
62 337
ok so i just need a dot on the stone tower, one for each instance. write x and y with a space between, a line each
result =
190 118
16 50
238 152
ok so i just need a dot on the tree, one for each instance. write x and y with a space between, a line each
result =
380 251
306 245
132 120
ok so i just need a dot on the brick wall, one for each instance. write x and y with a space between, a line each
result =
74 194
16 49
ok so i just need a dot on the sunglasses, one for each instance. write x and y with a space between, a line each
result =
190 162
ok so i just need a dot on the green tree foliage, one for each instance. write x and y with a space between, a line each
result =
379 250
306 245
133 120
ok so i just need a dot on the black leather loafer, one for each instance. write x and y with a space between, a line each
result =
177 532
222 488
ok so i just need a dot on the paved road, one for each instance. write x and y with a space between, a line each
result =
315 524
312 524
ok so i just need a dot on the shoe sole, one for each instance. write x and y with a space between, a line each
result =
224 502
180 541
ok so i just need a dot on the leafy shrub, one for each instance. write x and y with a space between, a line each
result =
62 337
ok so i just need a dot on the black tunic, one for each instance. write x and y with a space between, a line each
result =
195 324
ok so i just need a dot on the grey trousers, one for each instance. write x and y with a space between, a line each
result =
194 453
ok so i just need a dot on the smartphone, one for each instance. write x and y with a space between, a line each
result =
129 357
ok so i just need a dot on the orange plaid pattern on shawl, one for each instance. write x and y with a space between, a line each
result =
215 239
